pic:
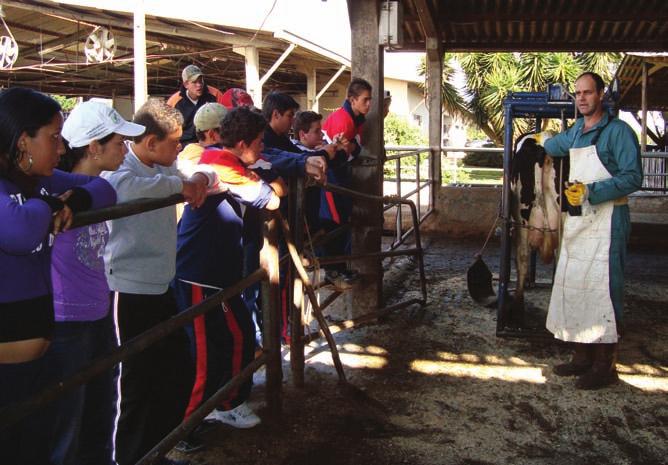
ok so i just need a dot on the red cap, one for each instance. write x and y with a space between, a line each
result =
236 97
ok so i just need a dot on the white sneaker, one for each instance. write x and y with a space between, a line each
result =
240 417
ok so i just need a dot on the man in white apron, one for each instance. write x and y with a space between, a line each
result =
587 297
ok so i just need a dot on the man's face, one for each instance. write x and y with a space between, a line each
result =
195 88
281 123
362 103
312 138
587 98
164 152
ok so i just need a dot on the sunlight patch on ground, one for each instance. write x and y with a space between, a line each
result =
351 360
644 377
358 349
484 368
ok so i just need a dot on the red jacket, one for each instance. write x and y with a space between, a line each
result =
344 121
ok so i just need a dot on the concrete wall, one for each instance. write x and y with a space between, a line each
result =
464 211
471 211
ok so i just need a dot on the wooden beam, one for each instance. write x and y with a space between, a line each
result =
643 99
327 86
278 63
427 18
496 44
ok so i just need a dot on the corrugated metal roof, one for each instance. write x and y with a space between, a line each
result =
537 25
629 75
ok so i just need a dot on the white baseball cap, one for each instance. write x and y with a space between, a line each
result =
93 120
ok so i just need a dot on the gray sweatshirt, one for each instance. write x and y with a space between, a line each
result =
140 257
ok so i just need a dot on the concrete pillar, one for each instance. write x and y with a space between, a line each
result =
434 101
311 88
252 59
367 174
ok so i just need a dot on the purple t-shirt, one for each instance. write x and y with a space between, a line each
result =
25 242
80 290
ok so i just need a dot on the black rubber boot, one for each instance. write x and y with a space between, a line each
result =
604 370
580 363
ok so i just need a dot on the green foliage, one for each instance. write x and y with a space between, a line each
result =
475 133
66 103
399 132
488 77
484 159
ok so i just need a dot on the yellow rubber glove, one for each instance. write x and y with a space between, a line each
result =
542 137
575 194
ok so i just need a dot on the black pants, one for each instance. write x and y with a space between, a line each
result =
340 245
155 383
222 344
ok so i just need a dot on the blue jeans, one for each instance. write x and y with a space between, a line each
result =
27 441
82 421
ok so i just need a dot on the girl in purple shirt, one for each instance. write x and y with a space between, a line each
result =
36 203
83 420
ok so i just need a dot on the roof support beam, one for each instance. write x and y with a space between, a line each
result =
278 63
427 20
327 86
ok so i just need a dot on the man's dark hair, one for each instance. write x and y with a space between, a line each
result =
598 80
304 120
277 101
357 86
159 119
241 124
201 135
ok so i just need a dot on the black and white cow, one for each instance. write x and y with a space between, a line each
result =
535 205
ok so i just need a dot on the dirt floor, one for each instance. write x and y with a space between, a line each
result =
438 387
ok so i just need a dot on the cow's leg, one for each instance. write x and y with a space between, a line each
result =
522 263
552 212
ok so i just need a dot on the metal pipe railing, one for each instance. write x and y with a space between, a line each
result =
268 274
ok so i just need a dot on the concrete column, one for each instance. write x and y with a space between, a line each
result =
311 88
139 34
253 86
367 173
434 100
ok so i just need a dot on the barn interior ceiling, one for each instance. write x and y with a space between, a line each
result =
57 55
536 25
53 40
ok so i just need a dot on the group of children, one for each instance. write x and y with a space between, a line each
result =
61 288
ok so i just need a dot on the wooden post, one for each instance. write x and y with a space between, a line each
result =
367 174
271 316
434 104
139 34
643 134
295 296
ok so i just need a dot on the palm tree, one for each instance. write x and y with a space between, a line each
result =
489 77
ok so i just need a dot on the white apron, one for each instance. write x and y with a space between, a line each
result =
580 306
